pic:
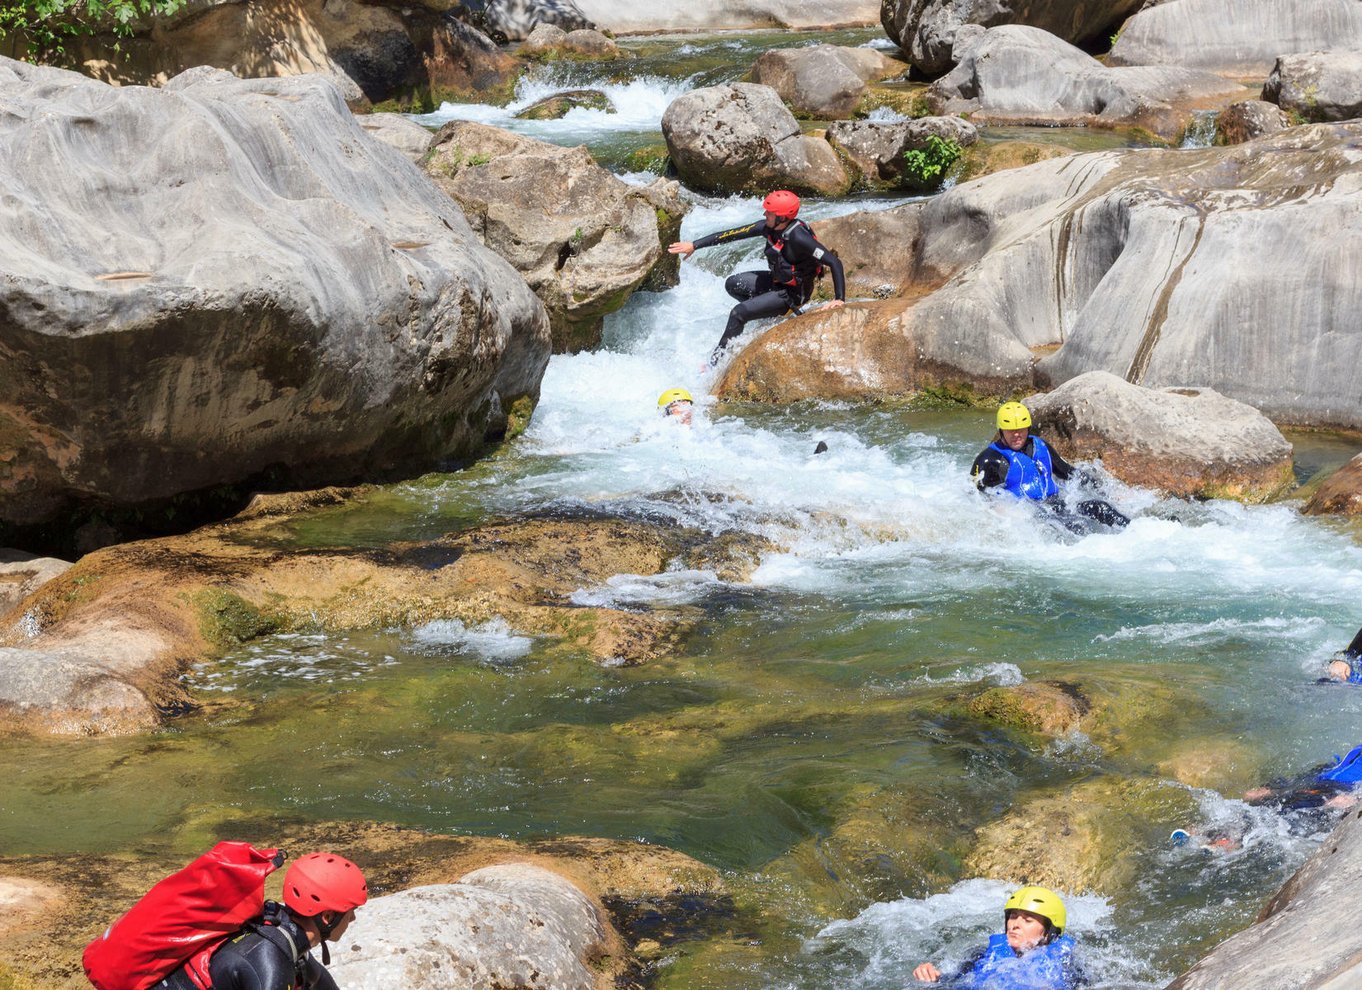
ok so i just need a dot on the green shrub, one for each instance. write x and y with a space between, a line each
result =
44 26
927 167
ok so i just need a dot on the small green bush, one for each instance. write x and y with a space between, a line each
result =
927 167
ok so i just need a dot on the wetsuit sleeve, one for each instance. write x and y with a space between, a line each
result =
1354 650
806 246
990 470
1063 470
732 234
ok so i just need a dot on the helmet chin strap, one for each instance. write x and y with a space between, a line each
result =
325 930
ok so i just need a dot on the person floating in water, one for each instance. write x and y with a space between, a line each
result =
1032 953
1023 464
676 403
1347 663
795 259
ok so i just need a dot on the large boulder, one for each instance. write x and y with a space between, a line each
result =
741 138
551 41
1318 86
226 278
876 249
583 239
1249 119
825 81
1017 74
877 148
631 17
928 29
21 574
1305 936
515 20
511 925
1184 441
1341 492
1242 40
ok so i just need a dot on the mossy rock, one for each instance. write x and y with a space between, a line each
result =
1083 838
650 158
560 104
518 416
1048 707
227 619
984 158
910 101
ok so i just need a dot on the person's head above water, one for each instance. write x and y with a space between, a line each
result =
676 403
1014 424
781 207
1033 916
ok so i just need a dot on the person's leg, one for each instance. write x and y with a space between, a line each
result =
1104 512
762 302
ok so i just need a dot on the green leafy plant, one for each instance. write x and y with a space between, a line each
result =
927 167
41 28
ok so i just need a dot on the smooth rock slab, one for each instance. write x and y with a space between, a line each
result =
400 132
68 693
223 276
741 138
1341 493
514 925
1319 86
826 81
1184 441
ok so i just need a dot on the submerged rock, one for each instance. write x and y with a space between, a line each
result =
1183 441
1247 120
825 81
1048 707
583 239
1341 493
1016 74
100 648
741 138
1318 86
1243 40
928 30
1305 937
222 278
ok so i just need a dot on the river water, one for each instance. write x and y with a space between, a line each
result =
815 710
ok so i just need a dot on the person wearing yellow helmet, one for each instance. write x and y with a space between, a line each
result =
1032 953
677 404
1019 462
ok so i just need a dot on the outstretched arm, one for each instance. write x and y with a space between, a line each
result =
687 248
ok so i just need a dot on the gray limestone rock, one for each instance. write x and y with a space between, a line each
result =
513 925
877 148
741 138
1249 119
21 574
224 276
632 17
514 20
1022 74
68 693
1319 86
824 81
401 132
1184 441
583 239
1242 39
928 29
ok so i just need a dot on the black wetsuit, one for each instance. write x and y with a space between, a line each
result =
793 257
990 471
269 956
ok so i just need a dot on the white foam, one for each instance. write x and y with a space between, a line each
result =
679 587
492 641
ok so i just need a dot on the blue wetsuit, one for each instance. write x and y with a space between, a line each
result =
1034 473
1046 967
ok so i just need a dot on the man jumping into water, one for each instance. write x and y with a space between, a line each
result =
794 256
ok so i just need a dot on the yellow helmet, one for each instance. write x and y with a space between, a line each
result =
673 395
1037 900
1013 416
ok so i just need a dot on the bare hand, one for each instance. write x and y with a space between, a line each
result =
927 973
837 304
683 248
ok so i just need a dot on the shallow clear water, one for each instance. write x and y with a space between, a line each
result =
821 694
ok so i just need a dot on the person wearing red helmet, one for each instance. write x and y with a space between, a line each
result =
795 259
321 892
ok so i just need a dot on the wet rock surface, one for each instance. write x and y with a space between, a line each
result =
561 104
99 648
1318 86
1016 74
1183 441
583 239
1341 493
385 314
1243 42
825 81
929 30
741 138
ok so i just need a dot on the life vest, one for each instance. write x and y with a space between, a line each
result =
1029 477
786 270
1046 967
1346 770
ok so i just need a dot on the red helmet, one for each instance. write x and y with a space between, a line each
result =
782 203
321 882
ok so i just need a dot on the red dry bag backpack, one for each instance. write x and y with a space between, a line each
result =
183 919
